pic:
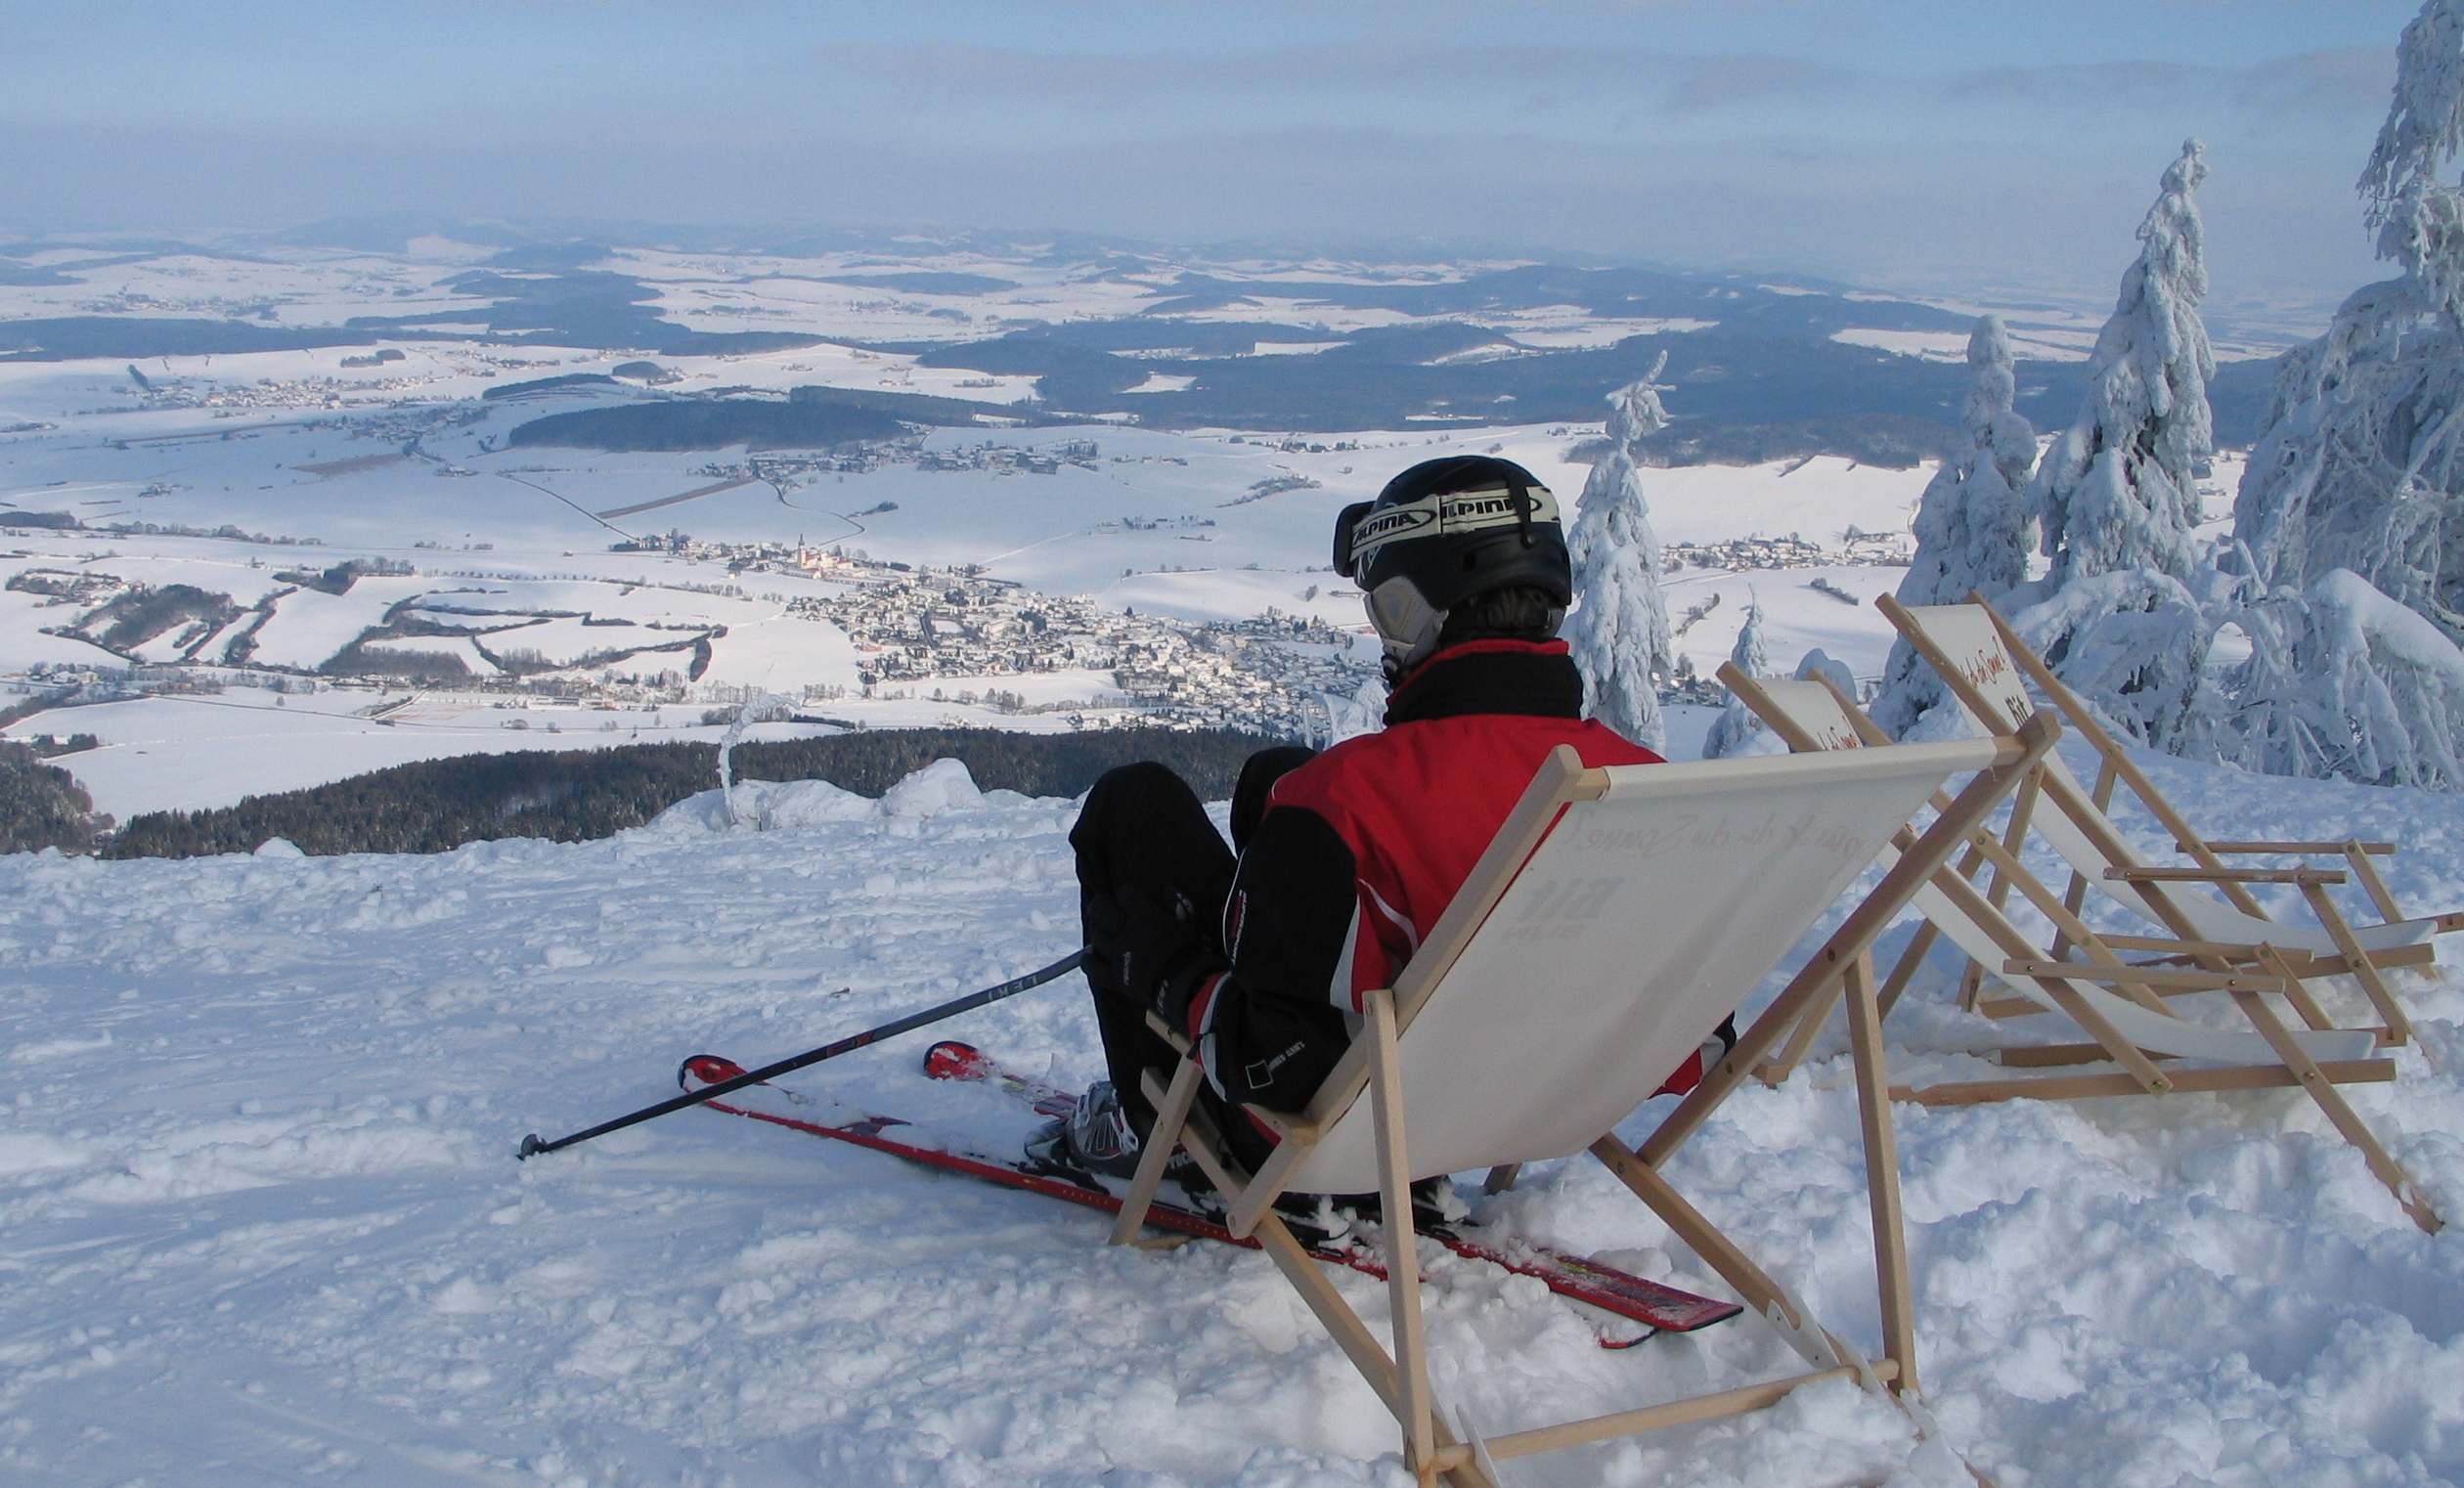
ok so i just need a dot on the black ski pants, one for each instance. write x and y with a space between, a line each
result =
1143 826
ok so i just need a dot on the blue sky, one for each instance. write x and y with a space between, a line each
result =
1911 144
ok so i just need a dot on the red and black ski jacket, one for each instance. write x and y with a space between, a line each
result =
1361 848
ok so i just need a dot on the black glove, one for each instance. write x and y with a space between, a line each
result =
1153 946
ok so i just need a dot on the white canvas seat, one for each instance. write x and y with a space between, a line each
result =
2205 913
2119 1006
1619 914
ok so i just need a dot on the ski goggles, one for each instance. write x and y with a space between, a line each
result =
1364 527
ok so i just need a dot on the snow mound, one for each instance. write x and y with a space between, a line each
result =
764 805
781 806
940 786
278 846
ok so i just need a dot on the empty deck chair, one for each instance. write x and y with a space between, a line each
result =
1616 917
2119 1006
2205 910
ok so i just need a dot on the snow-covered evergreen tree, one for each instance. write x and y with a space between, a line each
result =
2349 520
1619 630
2343 680
2417 218
1970 524
1737 726
2121 615
2115 491
2133 644
2356 464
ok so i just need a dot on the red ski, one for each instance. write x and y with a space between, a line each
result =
1661 1309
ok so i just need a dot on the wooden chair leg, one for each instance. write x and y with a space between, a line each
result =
1777 1071
1904 971
1501 1177
1998 894
1394 1192
1699 1235
2399 1028
2340 1113
1308 1278
1881 1152
2075 897
2308 1006
2366 874
1172 1114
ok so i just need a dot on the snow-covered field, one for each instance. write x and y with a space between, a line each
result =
1166 523
260 1220
195 753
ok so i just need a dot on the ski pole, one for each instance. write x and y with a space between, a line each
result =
531 1144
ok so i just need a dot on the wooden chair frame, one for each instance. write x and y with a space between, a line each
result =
2082 955
1435 1447
2181 941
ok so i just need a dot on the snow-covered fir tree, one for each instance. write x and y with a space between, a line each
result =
2356 464
1737 726
1971 526
2121 616
2115 491
2343 680
1619 631
2349 520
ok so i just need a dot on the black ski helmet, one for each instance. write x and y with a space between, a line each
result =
1443 530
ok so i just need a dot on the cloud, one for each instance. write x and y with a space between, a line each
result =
2347 80
1439 80
1719 82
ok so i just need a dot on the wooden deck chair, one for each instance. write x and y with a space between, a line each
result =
2117 1004
1616 917
2205 910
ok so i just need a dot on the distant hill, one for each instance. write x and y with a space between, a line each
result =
811 416
1764 358
707 424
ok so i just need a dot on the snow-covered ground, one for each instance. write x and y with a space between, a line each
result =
260 1220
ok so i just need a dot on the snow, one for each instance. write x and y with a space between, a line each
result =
309 626
263 1223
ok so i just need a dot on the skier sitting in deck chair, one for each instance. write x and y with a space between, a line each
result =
1347 858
